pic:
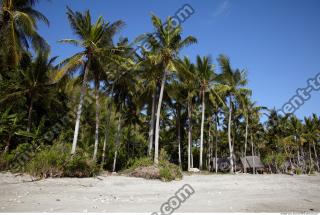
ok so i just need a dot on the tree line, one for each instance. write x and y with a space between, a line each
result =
140 101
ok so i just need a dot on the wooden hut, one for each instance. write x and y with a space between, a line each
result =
252 162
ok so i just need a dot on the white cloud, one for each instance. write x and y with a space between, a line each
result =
222 9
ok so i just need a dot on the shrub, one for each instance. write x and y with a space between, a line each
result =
144 168
147 172
5 160
23 154
48 163
55 161
80 166
169 171
139 162
298 171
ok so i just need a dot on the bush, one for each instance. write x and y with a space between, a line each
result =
144 168
48 163
5 160
21 156
55 161
169 171
80 166
298 171
147 172
139 162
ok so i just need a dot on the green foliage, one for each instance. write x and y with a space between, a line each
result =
5 160
49 162
38 100
55 161
165 171
169 171
298 171
280 159
139 162
80 166
268 160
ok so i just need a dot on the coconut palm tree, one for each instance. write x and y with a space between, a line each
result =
188 89
18 28
311 134
205 76
167 42
295 127
95 40
36 82
234 82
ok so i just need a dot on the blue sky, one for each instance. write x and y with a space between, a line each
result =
277 41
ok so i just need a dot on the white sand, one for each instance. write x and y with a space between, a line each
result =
213 193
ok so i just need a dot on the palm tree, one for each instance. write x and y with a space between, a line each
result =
234 81
151 77
295 127
18 28
95 40
187 92
205 75
167 43
311 133
36 84
252 122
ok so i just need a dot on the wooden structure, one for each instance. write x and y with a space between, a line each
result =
252 162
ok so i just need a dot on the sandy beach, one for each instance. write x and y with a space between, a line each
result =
213 193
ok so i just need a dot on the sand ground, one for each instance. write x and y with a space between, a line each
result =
213 193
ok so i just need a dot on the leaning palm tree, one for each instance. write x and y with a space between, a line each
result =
234 81
166 43
18 28
205 76
95 40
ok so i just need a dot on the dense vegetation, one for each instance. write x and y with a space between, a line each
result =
115 104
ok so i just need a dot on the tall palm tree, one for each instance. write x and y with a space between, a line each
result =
95 40
187 92
295 127
311 133
18 28
205 76
167 42
234 81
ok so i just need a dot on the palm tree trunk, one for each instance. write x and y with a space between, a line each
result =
316 156
229 138
106 132
252 153
189 134
79 110
151 130
191 159
105 142
96 136
311 160
216 145
209 155
117 145
156 143
201 131
246 143
30 114
298 152
179 133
